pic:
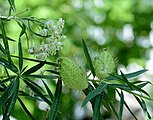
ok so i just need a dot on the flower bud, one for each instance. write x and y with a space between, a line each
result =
73 75
104 64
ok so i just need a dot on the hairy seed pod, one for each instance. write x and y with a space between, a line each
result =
104 64
73 75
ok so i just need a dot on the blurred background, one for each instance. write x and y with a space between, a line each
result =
124 26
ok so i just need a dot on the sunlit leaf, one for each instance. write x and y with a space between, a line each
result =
34 68
1 37
48 90
2 49
24 69
6 80
25 109
12 5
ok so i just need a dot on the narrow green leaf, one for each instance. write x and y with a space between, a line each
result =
144 107
140 95
130 85
6 80
105 103
143 84
30 27
56 101
13 98
53 71
96 112
110 102
37 91
44 76
7 73
27 95
25 109
121 105
8 92
89 89
1 37
126 105
12 5
8 65
135 74
34 84
133 86
48 90
130 75
23 27
89 61
35 60
2 49
5 41
24 69
121 86
95 92
126 87
20 54
34 68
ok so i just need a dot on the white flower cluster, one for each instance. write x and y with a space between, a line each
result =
52 43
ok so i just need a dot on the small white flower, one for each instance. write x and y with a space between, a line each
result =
45 46
32 49
43 32
60 23
63 37
50 39
41 48
53 43
49 24
31 93
42 56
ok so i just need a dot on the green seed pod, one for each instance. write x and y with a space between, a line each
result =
104 64
73 75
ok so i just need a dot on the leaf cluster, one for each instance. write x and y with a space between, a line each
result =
99 94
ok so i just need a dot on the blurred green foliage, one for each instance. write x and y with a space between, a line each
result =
121 25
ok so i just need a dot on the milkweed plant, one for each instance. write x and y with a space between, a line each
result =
100 91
